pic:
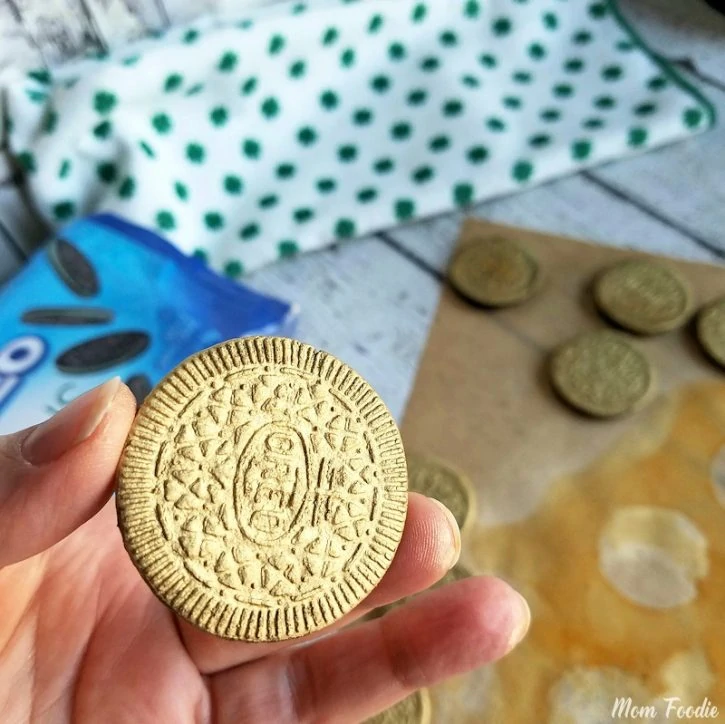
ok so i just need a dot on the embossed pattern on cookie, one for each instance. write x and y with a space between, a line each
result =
262 491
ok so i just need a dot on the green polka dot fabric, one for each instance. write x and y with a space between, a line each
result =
306 123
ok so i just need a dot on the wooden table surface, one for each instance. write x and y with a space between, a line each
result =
371 301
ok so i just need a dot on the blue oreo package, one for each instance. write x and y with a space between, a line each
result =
107 298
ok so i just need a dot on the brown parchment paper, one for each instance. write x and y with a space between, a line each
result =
556 491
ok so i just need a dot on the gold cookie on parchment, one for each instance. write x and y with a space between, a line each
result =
437 479
601 374
262 491
415 709
643 296
711 330
494 272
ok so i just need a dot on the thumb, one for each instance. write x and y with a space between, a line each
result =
59 474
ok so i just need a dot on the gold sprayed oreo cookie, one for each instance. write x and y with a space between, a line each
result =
437 479
711 330
494 272
262 490
415 709
601 374
643 296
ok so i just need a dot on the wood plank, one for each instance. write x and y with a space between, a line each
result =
364 303
687 31
574 206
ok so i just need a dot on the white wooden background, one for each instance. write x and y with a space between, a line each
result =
371 301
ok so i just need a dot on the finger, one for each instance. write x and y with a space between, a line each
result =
356 673
57 475
429 548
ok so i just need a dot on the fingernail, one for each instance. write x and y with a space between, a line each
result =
75 423
523 621
455 534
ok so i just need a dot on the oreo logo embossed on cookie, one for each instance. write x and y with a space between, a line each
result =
67 316
102 353
73 268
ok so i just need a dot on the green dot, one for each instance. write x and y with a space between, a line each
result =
495 124
307 136
417 97
276 44
429 64
195 152
380 83
487 60
131 60
612 72
64 210
422 174
103 130
539 140
147 149
345 228
383 165
637 137
536 51
477 154
563 90
162 123
657 83
582 37
593 124
439 143
165 220
190 36
452 108
347 153
597 10
270 107
104 102
107 172
213 220
50 122
329 100
692 117
401 131
605 103
233 185
550 115
574 65
181 191
41 75
303 215
330 36
65 168
298 8
37 96
501 26
550 20
522 171
249 86
463 194
625 46
228 62
287 248
195 90
251 148
326 185
219 116
448 39
285 171
127 189
512 102
245 24
645 109
419 13
362 117
173 82
396 51
27 161
522 76
366 195
233 269
201 255
376 22
404 209
250 231
470 81
472 9
347 58
298 69
581 150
